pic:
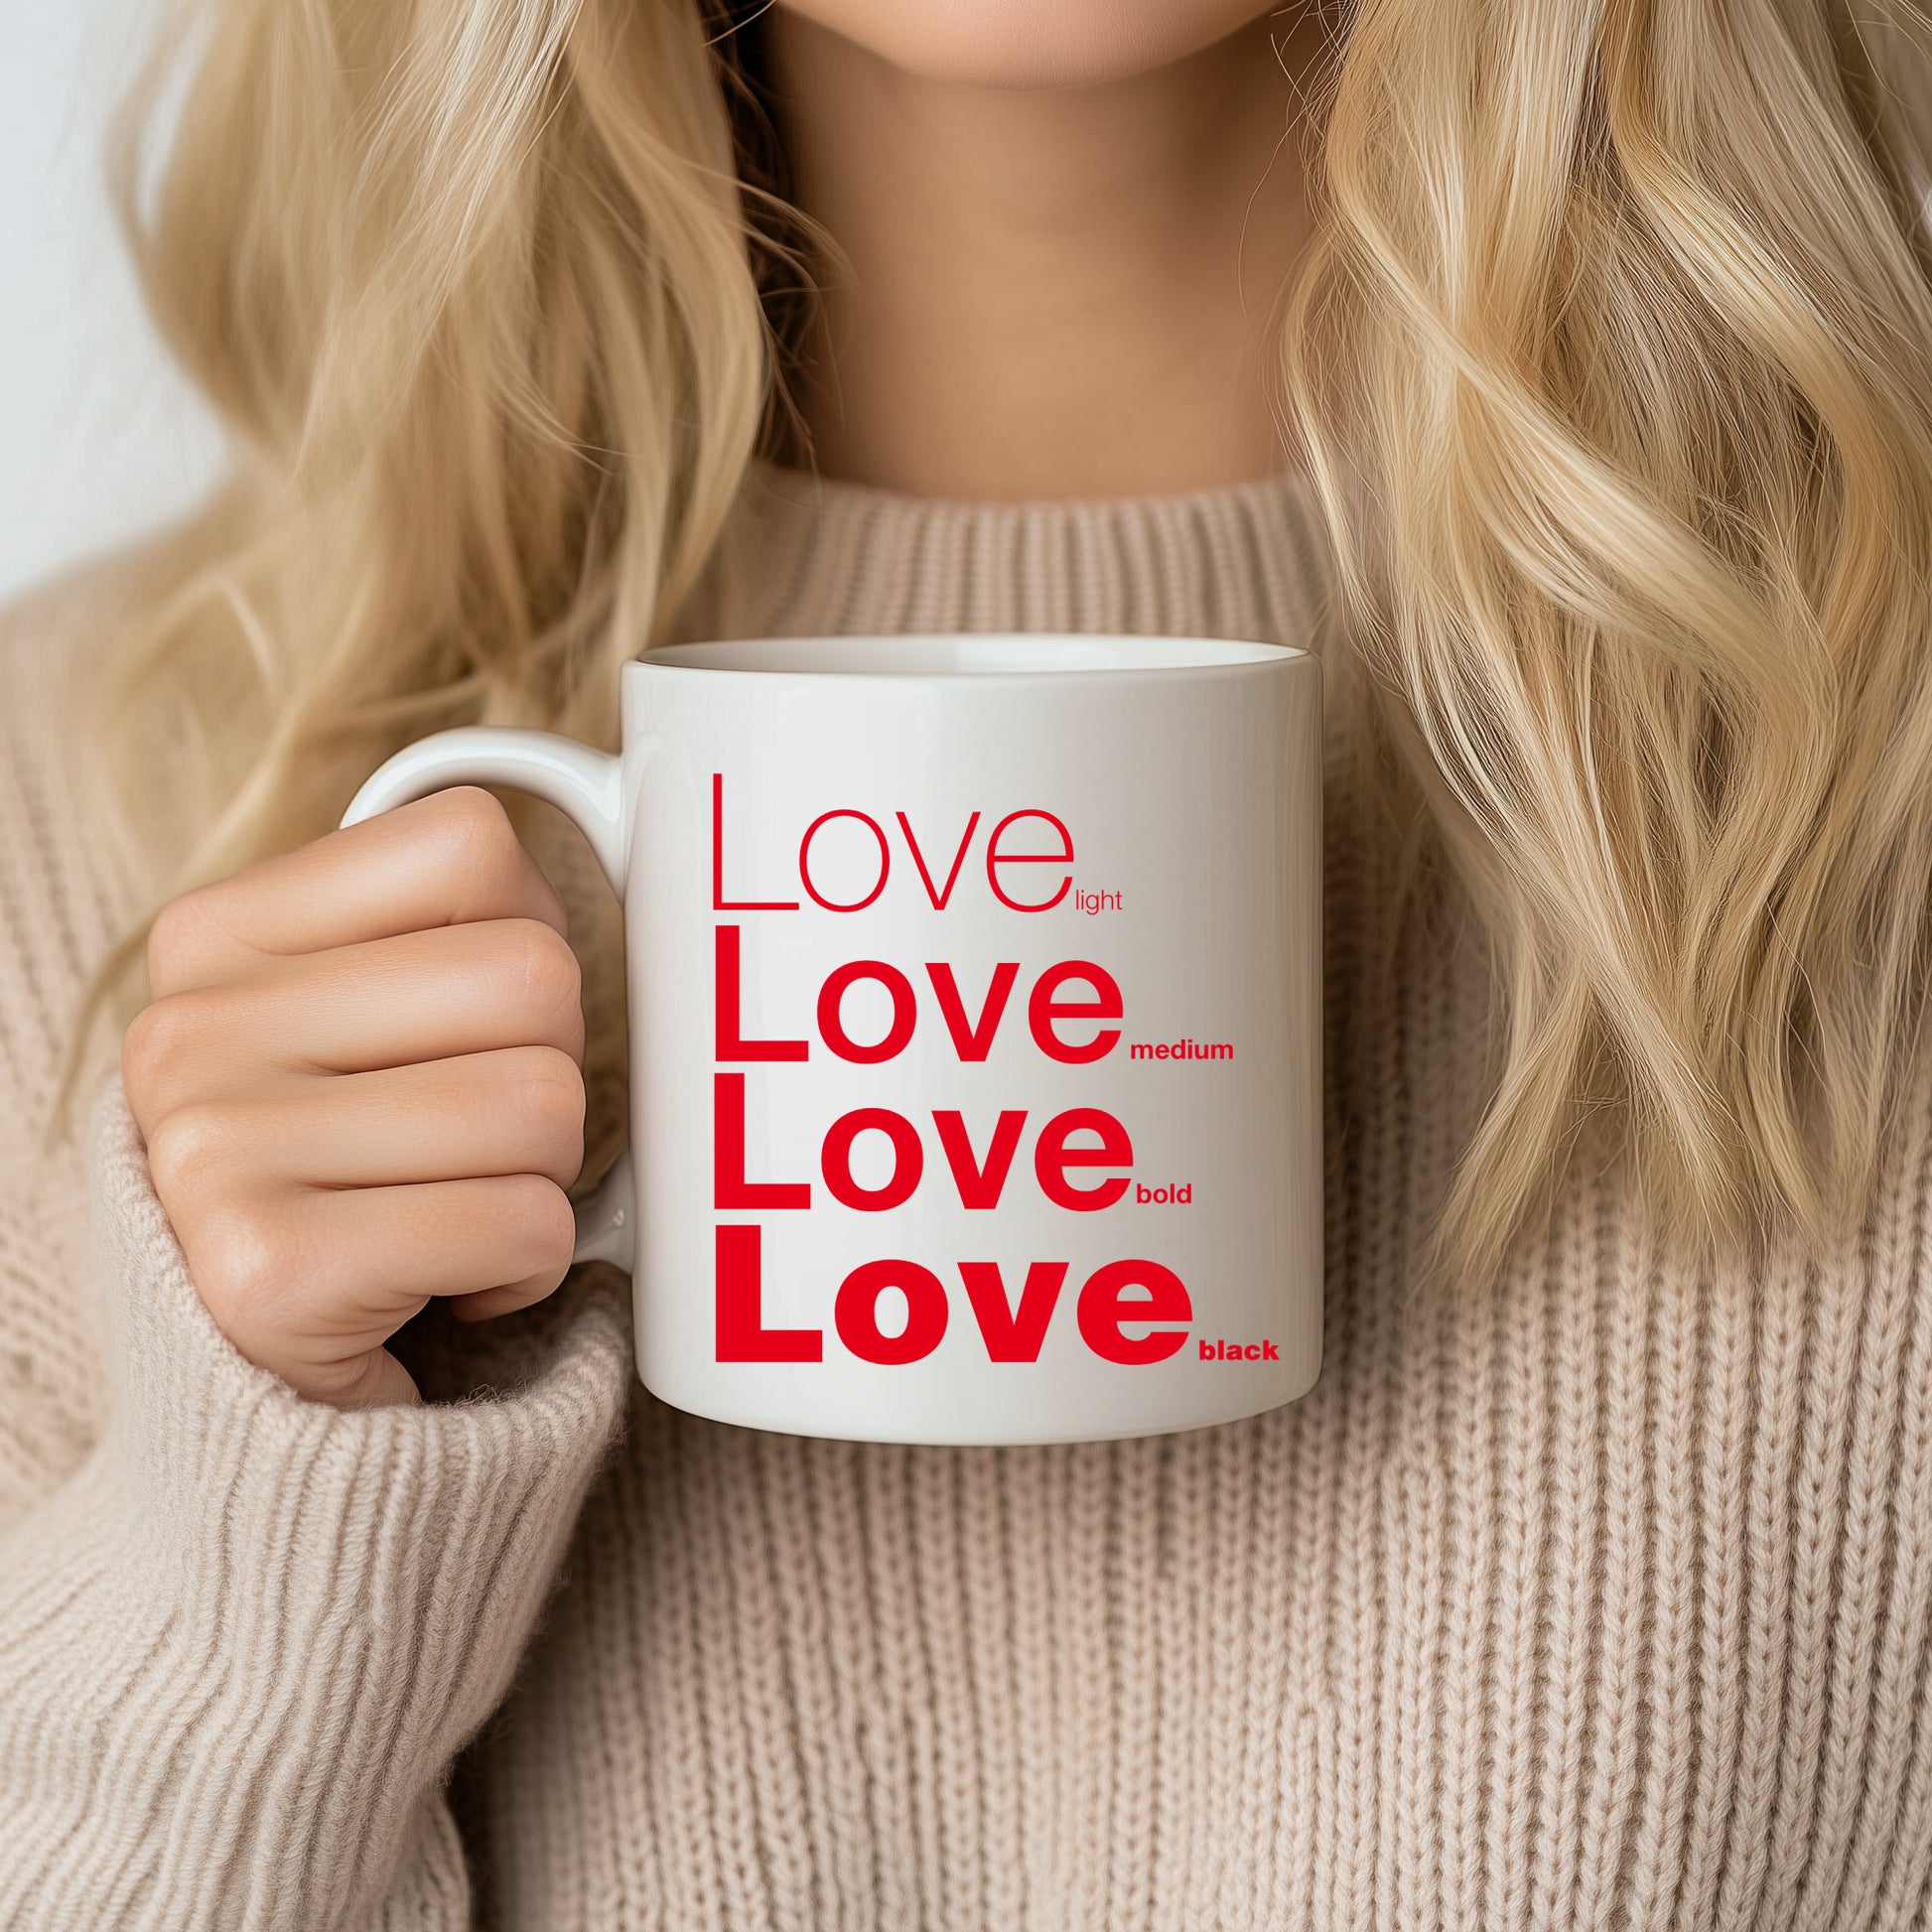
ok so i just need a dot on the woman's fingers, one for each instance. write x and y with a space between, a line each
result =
421 996
451 859
343 1269
357 1081
514 1110
488 1303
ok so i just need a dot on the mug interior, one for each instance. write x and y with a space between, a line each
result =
975 654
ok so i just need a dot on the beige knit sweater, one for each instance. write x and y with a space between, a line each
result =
1599 1598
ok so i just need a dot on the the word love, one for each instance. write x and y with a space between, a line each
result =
1052 1007
847 858
1132 1311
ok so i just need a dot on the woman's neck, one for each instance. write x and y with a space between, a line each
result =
1047 293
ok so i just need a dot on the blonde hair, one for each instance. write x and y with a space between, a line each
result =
1615 359
1629 436
476 288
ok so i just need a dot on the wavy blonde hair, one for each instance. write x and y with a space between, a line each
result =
1613 358
1624 314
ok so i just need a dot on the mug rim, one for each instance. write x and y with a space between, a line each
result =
1083 655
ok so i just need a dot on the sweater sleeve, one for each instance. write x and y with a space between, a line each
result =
240 1645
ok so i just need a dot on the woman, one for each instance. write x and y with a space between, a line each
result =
1592 1584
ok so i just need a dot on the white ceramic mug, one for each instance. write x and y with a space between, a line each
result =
975 1026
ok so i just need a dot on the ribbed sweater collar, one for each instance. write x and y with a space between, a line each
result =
1245 560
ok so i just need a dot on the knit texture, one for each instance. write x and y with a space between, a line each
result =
1599 1596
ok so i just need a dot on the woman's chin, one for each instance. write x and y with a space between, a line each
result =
1030 44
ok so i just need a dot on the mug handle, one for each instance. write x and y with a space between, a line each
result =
588 786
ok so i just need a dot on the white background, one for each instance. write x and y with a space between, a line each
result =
100 436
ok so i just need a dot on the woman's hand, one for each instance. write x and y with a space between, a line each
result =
359 1082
